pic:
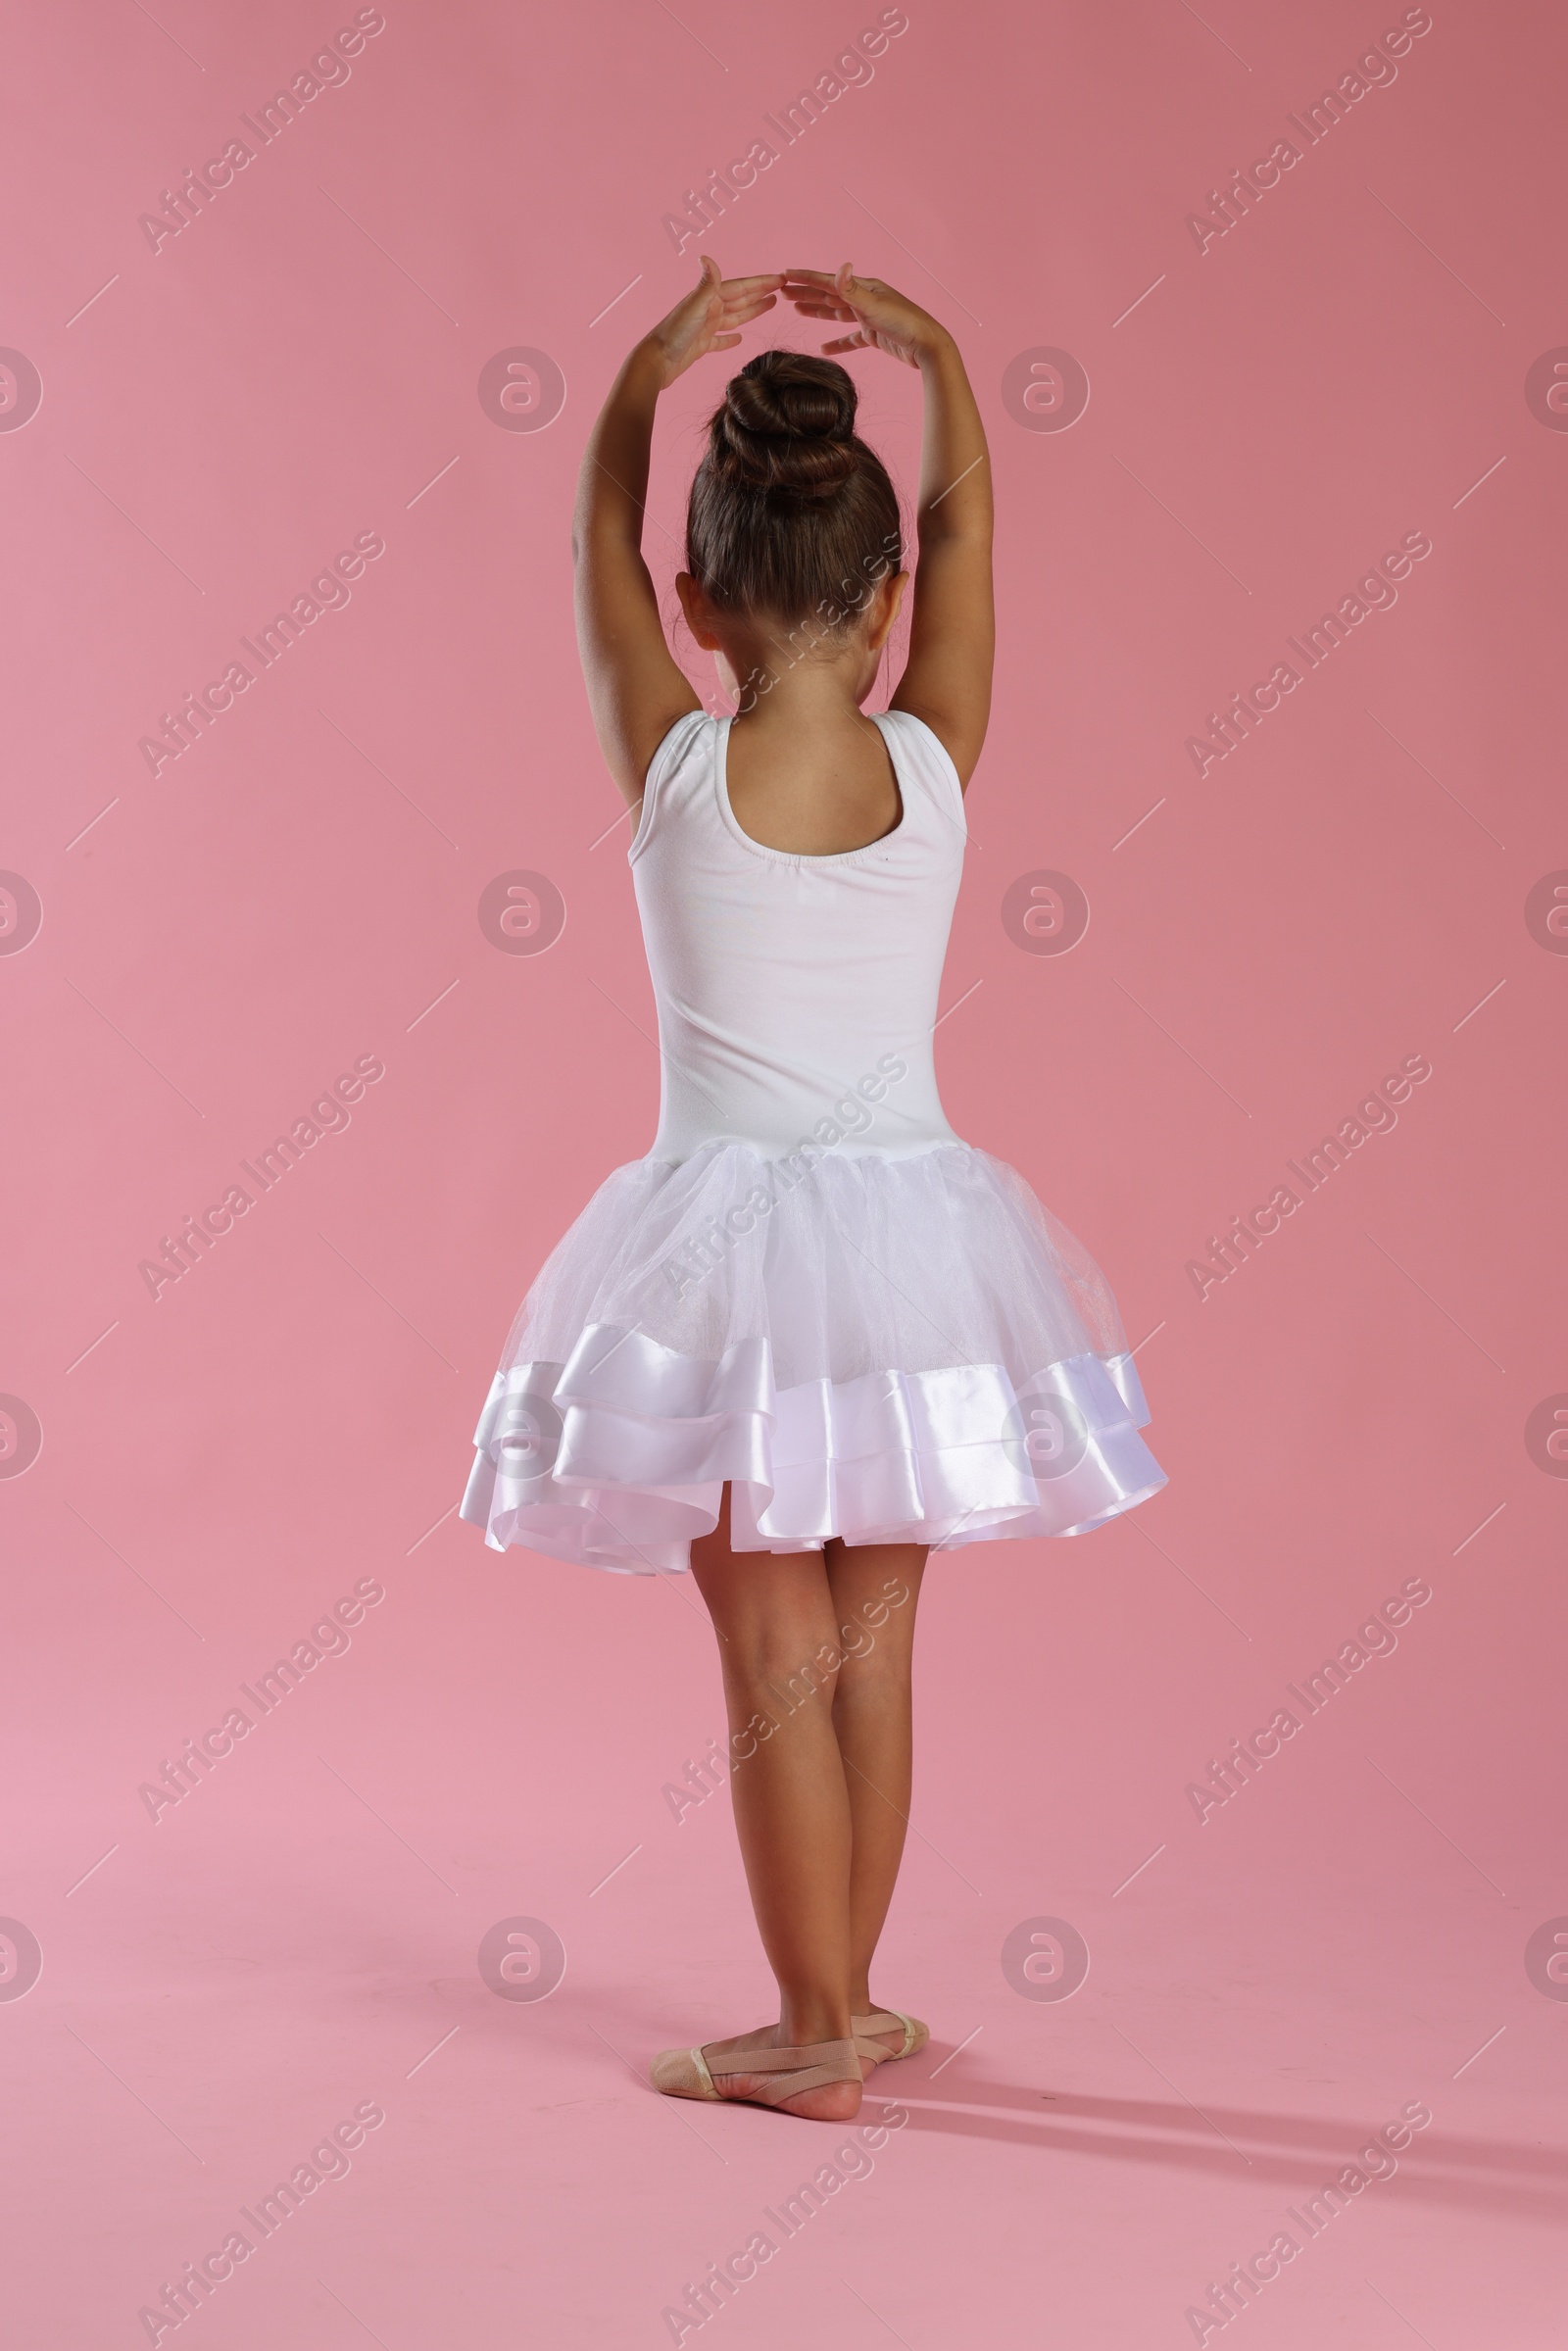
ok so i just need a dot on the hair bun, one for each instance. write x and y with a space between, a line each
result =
788 424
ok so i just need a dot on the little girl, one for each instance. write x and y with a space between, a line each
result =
814 1333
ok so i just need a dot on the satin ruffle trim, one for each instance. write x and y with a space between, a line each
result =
618 1458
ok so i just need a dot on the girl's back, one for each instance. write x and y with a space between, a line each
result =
796 991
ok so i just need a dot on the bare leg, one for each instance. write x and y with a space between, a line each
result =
876 1589
774 1617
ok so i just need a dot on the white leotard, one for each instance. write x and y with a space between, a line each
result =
797 995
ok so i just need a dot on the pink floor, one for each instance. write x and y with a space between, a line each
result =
195 1996
298 1941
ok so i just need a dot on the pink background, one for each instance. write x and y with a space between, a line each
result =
299 366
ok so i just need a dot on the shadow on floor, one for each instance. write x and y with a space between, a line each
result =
1298 2153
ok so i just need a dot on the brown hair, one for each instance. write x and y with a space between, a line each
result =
791 513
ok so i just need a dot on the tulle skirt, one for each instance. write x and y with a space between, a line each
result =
886 1349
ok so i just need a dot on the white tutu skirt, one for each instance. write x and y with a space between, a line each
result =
887 1349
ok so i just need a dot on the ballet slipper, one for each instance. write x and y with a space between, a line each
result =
887 2020
690 2073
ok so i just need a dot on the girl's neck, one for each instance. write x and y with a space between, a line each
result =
807 691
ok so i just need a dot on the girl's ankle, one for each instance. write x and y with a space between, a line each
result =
803 2028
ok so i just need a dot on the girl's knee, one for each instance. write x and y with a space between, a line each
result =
887 1667
796 1660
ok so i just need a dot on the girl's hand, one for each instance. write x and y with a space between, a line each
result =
710 318
883 320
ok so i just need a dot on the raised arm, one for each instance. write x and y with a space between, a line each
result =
636 689
947 678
